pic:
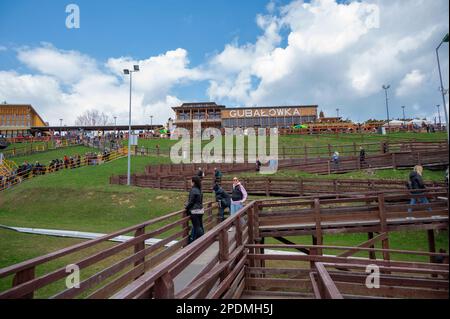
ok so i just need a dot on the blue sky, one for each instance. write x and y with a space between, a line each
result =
234 52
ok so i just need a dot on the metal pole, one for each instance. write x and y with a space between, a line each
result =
129 136
439 115
442 90
387 109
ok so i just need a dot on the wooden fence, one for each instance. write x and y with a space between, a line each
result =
273 186
106 266
324 151
313 165
238 264
20 174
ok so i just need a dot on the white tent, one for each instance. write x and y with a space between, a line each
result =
394 123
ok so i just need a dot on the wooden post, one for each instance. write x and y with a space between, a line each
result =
317 217
224 251
329 150
394 162
383 225
164 287
139 247
431 243
24 276
372 254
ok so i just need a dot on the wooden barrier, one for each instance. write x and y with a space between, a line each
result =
313 165
130 258
274 186
238 264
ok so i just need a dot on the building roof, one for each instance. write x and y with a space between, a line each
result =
199 105
25 105
274 107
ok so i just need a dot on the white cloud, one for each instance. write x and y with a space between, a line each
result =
67 83
3 48
318 52
410 83
337 54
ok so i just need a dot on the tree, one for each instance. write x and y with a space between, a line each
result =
92 118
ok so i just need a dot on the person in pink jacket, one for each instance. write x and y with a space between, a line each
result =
238 196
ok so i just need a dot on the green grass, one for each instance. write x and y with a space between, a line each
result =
389 174
47 156
317 140
404 240
82 199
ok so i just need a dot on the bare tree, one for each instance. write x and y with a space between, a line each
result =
92 118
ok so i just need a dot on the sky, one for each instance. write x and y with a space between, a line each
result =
336 54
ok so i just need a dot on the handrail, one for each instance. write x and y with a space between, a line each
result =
151 276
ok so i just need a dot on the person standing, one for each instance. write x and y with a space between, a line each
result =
238 196
194 208
335 159
217 176
362 155
258 165
223 199
200 173
417 187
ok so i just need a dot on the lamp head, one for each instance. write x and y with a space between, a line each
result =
136 68
126 71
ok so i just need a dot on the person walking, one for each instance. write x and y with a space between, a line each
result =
335 159
194 208
223 199
417 187
200 173
238 196
362 155
217 176
258 165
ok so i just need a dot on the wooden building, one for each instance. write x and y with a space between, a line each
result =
212 115
209 113
18 119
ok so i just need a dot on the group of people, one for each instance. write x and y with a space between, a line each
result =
27 169
233 201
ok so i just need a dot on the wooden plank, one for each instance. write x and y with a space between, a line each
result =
164 287
326 284
366 244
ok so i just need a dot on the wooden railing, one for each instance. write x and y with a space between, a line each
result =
313 165
17 176
222 276
273 186
323 151
237 263
112 265
307 276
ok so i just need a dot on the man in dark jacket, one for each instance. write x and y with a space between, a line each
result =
223 199
417 187
217 176
362 155
194 208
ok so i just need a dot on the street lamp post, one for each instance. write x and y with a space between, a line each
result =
60 127
151 122
337 112
130 72
445 39
386 88
439 115
404 117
